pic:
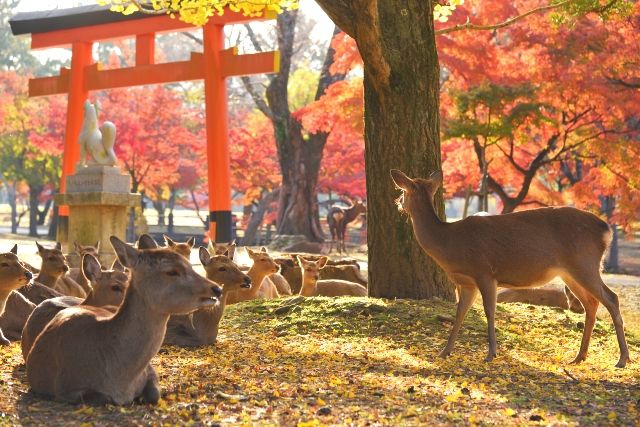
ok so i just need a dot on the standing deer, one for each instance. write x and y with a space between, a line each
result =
13 275
88 354
516 250
311 286
201 327
107 290
338 218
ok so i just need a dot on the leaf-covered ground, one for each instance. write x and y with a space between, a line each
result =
346 361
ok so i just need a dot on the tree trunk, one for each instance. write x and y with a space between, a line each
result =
34 192
257 216
53 225
401 95
42 214
159 207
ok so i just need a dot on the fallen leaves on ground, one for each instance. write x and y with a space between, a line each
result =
350 361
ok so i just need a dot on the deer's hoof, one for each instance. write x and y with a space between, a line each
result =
623 361
579 358
489 357
444 353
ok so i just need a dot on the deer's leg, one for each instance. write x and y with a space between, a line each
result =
466 296
3 340
489 292
151 392
590 305
593 283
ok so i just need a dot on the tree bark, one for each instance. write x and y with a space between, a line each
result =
34 192
249 238
401 96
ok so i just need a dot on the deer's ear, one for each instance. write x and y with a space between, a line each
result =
401 180
168 240
322 262
147 242
14 249
116 266
205 257
301 261
231 250
40 247
58 246
250 253
191 241
263 249
127 255
436 178
91 267
97 246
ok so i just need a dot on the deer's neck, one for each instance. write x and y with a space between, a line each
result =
257 277
309 286
136 332
350 214
90 299
48 278
430 231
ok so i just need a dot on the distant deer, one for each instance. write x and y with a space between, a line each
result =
548 297
88 354
226 249
201 327
516 250
263 266
76 273
311 286
34 292
183 249
338 218
13 275
52 272
107 290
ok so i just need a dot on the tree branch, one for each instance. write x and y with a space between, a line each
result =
258 99
341 13
469 26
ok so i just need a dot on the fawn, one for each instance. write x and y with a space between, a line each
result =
516 250
262 287
338 218
183 249
107 290
13 275
201 327
548 297
88 354
76 273
311 286
53 269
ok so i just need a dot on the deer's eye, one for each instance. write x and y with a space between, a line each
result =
116 288
172 273
4 264
222 269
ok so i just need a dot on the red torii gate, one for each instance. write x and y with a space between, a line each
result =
81 27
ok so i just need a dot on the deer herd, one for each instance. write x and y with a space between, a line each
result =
88 334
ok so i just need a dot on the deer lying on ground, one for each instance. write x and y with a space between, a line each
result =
13 275
311 286
16 312
76 273
183 249
343 269
52 272
338 218
88 354
516 250
107 290
226 249
201 327
549 297
263 266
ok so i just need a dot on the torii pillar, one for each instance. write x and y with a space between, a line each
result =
81 27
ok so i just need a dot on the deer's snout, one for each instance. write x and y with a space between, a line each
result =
65 268
28 275
217 291
246 283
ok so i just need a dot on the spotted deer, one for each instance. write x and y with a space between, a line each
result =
13 275
311 286
88 354
516 250
52 272
263 266
338 218
107 290
201 327
183 249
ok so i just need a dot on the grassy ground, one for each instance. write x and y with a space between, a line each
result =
323 361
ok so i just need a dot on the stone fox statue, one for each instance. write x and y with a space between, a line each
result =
98 142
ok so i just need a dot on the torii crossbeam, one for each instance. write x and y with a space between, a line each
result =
81 27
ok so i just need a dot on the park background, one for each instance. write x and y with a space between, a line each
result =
536 114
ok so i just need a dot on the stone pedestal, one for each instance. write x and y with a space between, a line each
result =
99 200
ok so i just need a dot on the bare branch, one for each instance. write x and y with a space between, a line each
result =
192 37
258 99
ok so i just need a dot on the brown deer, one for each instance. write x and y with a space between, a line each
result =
52 272
516 250
338 218
76 273
311 286
183 249
88 354
226 249
201 327
548 297
13 275
16 313
34 292
107 290
263 266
